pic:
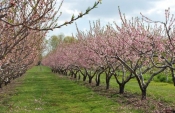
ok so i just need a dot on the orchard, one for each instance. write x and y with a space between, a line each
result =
139 49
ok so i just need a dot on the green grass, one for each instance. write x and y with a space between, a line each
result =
45 92
157 90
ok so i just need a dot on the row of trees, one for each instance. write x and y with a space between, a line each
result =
126 51
24 24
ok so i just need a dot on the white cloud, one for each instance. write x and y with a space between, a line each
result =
108 12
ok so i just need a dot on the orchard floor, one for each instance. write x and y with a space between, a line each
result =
41 91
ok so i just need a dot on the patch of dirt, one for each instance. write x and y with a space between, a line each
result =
9 89
130 100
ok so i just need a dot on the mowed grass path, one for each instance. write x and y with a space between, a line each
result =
45 92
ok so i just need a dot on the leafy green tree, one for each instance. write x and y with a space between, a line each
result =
54 41
69 39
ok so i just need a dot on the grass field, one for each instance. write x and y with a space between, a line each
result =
157 90
44 92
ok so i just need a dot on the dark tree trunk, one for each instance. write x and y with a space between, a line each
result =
107 82
90 79
79 77
6 83
107 86
84 78
174 80
97 80
122 87
173 76
142 88
75 75
143 94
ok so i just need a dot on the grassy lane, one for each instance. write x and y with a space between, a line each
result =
45 92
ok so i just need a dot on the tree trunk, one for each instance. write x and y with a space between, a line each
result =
6 83
79 77
143 94
97 80
84 78
107 82
174 80
122 87
107 86
173 76
75 75
90 79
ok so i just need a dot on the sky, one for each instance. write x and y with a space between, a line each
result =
107 12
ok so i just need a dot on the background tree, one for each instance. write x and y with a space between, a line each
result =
69 39
54 41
